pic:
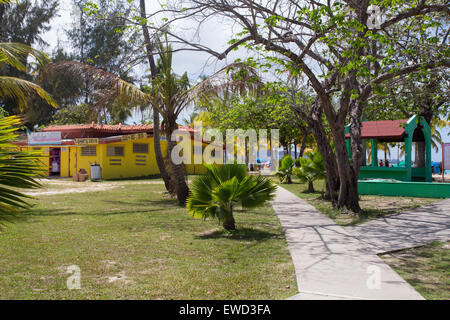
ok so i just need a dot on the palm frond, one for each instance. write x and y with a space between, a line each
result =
311 168
16 55
284 173
213 194
107 87
18 169
260 190
20 90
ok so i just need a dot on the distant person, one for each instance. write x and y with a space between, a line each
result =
381 164
387 163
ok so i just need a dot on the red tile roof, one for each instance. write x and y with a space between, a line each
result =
102 127
384 130
94 130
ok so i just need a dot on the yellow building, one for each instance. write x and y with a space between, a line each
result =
121 151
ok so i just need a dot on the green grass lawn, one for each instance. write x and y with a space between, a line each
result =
373 206
130 242
426 268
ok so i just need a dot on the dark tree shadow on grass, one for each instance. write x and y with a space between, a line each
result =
62 212
161 203
242 233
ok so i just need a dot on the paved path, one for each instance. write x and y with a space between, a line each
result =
329 262
407 229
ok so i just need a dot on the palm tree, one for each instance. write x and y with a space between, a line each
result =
18 169
214 194
312 168
169 94
285 170
385 147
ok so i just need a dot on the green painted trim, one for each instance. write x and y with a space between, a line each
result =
404 189
374 150
395 173
410 173
427 134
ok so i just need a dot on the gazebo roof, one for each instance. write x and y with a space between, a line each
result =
384 130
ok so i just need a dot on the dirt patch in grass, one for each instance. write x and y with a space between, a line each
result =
426 268
63 186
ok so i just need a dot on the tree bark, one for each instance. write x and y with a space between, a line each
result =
329 158
170 186
176 172
303 146
310 186
156 133
288 179
348 191
285 149
229 223
420 154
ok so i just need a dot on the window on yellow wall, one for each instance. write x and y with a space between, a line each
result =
114 151
90 151
140 147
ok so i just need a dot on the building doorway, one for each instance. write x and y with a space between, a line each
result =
55 162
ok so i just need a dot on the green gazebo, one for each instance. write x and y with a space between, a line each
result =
415 129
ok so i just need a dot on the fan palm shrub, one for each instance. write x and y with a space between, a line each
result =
312 168
18 169
215 194
285 170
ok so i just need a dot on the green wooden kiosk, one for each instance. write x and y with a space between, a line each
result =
408 131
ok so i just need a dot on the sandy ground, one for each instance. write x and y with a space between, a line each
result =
438 178
61 186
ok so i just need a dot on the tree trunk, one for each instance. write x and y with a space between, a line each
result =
351 168
169 184
229 223
303 146
420 154
348 191
288 179
176 173
156 136
329 159
327 195
310 186
285 149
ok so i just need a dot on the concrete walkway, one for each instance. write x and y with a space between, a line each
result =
329 262
407 229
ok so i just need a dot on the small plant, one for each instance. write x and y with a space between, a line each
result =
217 192
311 169
285 170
